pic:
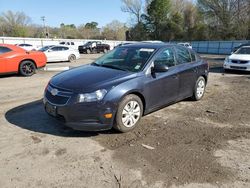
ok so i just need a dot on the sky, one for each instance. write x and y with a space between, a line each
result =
68 11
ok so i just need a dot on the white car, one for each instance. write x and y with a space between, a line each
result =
27 47
60 53
186 44
239 60
69 44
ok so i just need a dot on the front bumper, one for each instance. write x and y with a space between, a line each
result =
236 66
82 116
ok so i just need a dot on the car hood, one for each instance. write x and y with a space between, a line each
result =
90 78
241 57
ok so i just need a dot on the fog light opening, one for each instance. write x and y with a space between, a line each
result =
108 116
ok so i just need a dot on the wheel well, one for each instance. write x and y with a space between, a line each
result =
141 97
27 60
205 77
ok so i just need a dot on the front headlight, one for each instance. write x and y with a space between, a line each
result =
227 60
91 97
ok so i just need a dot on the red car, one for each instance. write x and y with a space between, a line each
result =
14 59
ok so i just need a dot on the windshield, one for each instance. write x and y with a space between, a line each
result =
244 50
45 48
126 58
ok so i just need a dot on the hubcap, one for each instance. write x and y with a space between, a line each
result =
131 114
28 68
200 88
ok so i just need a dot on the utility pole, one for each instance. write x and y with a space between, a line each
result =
46 32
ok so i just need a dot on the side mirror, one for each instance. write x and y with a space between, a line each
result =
160 68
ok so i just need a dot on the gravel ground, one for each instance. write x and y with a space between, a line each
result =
188 144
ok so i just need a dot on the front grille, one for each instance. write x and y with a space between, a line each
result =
60 98
239 62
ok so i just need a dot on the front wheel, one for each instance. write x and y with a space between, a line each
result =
88 51
27 68
129 113
199 89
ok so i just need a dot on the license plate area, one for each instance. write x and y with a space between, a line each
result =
51 110
239 68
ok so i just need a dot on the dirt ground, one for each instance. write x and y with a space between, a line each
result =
188 144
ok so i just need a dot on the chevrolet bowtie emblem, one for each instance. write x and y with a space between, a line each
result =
54 92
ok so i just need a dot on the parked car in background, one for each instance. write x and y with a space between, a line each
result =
94 47
55 53
239 60
27 47
123 85
241 45
186 44
14 59
69 44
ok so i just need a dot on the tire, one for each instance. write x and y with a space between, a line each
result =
88 51
72 58
27 68
199 89
129 113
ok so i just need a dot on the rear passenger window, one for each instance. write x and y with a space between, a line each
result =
4 50
182 55
166 57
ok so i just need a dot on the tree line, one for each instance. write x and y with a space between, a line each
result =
17 24
166 20
189 20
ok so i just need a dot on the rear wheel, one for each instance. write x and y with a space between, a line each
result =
27 68
72 58
129 113
199 89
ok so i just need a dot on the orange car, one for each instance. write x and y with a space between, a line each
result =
14 59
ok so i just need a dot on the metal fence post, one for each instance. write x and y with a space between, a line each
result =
219 47
198 47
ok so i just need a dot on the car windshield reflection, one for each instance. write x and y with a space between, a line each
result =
127 59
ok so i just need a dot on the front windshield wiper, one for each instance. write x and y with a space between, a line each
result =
95 64
113 67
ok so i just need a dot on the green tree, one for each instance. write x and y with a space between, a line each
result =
158 14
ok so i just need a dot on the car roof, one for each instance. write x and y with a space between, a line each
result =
148 45
13 47
247 46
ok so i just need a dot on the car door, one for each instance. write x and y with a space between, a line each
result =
53 54
162 88
187 69
4 60
65 53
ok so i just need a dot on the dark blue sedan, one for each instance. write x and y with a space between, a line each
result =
122 86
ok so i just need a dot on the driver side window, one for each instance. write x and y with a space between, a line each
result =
166 57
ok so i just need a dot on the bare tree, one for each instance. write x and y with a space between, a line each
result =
14 24
134 7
